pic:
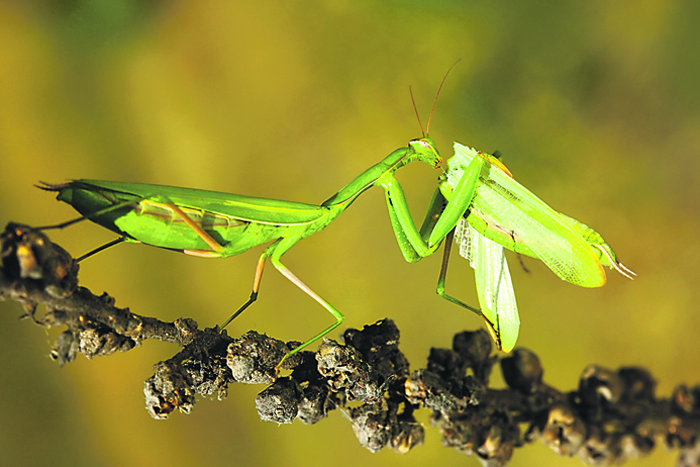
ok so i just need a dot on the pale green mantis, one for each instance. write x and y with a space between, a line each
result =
502 213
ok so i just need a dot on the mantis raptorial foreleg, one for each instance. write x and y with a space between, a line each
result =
413 242
458 205
439 222
412 245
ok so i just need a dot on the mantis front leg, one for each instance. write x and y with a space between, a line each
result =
440 220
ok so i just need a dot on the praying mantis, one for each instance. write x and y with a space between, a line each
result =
503 213
218 225
471 199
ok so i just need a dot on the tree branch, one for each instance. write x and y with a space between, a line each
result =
613 416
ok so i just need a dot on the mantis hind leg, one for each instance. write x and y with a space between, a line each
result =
101 248
97 213
279 250
306 289
274 252
213 244
63 225
256 287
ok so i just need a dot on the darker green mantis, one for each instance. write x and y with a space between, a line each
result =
218 225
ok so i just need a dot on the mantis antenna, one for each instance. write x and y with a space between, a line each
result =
427 128
430 117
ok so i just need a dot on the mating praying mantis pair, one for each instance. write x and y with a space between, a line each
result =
477 201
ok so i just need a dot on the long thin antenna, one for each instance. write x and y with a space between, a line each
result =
427 128
410 91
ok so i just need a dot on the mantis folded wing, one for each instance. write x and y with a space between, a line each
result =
493 284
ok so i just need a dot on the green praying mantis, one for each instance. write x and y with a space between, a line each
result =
476 197
218 225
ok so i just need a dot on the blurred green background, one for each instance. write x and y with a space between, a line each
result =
595 106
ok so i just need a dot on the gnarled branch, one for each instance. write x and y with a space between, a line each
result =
612 416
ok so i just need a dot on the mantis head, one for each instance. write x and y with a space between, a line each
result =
423 149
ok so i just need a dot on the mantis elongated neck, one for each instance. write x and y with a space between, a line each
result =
366 179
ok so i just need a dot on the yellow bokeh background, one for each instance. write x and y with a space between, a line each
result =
594 105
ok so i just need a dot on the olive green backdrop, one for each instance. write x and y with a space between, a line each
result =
593 104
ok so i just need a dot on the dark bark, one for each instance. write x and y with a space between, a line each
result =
613 416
